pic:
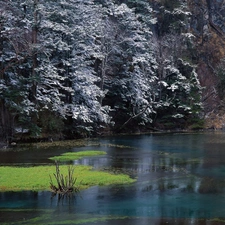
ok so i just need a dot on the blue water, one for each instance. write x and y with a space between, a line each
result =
180 177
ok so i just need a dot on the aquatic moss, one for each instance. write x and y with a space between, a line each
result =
93 220
219 220
37 178
46 217
68 156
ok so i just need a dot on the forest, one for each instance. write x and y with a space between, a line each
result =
81 68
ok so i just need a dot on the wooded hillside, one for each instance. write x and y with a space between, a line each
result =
77 68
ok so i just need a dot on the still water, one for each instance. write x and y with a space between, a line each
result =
180 180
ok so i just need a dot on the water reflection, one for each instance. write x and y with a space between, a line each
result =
180 180
119 202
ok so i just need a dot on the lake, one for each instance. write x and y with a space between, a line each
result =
180 180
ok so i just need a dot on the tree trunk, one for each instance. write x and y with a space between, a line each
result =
34 59
5 118
6 128
34 56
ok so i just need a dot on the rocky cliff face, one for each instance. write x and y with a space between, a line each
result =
208 25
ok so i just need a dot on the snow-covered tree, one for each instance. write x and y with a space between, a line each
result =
87 63
84 107
129 65
49 62
178 85
15 48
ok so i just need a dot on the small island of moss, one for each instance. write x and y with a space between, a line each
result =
68 156
36 178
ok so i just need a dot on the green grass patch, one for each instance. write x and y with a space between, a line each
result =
68 156
37 178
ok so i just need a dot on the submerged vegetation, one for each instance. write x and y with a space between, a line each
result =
79 219
45 217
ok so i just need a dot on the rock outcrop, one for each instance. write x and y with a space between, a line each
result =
208 25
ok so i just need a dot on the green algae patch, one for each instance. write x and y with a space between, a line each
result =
43 216
37 178
218 220
68 156
93 220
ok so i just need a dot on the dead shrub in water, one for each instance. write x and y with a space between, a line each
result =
66 185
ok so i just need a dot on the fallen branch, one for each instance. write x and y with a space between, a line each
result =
133 117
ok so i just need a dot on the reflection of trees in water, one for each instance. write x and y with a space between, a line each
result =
188 184
171 170
19 200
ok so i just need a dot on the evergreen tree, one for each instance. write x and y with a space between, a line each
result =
131 84
178 85
15 66
85 64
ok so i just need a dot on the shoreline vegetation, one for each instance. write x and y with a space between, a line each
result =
36 178
86 141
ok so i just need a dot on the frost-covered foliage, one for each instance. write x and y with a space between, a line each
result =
85 105
88 64
179 90
15 54
133 65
